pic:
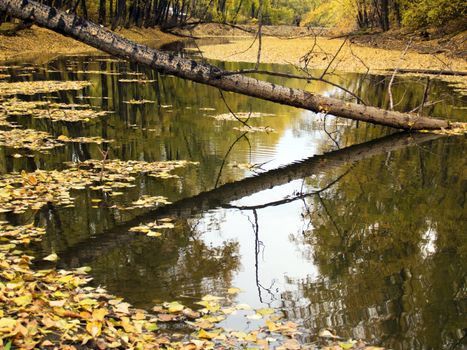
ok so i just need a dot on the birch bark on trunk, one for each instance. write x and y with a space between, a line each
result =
107 41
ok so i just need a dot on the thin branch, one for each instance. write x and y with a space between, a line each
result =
308 78
260 38
334 57
425 95
244 122
391 101
225 157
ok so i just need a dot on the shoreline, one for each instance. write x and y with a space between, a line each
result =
281 45
352 57
41 45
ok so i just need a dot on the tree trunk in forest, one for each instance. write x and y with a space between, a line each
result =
103 39
101 19
397 12
384 15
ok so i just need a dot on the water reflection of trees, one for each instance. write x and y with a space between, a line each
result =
145 270
368 232
388 242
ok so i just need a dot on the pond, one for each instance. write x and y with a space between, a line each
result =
335 224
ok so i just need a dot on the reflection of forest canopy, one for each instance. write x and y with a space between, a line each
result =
386 239
180 264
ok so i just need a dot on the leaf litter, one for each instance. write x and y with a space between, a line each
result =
39 87
28 139
24 191
149 228
138 102
48 110
241 115
56 308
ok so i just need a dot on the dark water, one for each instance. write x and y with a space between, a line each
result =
369 241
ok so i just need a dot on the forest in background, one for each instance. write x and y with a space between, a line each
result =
345 14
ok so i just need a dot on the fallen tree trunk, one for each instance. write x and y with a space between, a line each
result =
430 71
105 40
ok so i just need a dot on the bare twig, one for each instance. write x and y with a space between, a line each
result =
104 158
226 155
425 95
391 101
334 57
260 39
244 122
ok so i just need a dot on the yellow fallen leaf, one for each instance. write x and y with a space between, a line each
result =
153 234
23 300
234 290
254 317
206 335
271 326
175 307
251 337
211 298
51 257
7 324
99 314
94 328
265 311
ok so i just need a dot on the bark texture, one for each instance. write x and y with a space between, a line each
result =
105 40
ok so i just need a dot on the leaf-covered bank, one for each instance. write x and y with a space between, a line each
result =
42 45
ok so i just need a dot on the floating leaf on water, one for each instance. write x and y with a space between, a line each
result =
189 313
326 333
91 139
347 345
49 110
210 297
289 344
167 317
137 81
254 129
233 290
241 115
243 307
28 139
147 202
138 102
101 72
51 257
254 317
265 311
153 234
174 307
36 87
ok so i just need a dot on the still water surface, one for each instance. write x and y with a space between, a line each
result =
372 246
